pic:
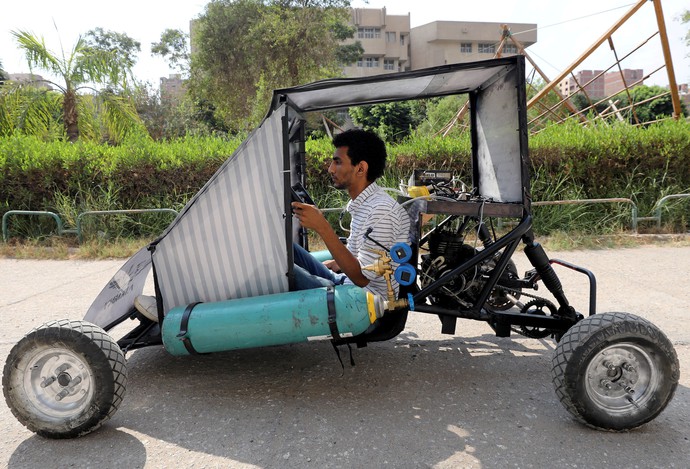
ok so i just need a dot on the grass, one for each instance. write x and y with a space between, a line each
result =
561 241
56 248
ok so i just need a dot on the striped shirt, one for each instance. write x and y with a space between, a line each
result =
374 208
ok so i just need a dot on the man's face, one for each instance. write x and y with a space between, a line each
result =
341 169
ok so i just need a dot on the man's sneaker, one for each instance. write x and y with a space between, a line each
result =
146 305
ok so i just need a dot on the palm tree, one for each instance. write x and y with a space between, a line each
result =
83 66
3 75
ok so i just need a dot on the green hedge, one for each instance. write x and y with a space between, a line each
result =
141 170
567 161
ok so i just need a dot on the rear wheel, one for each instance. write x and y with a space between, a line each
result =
64 379
615 371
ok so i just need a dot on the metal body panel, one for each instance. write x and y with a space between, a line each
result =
229 241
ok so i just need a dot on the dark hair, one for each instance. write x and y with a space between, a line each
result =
363 145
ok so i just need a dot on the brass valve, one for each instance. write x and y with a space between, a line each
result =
382 267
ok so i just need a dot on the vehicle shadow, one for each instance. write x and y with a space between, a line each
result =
477 401
107 447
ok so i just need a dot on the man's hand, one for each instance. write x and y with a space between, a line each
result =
332 265
311 217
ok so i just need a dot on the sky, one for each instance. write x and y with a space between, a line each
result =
563 34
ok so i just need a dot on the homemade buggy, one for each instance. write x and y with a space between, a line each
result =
223 270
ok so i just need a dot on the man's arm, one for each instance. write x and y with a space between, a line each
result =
311 218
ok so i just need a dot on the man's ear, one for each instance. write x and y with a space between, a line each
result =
363 168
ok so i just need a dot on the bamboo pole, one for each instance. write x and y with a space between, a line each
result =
675 98
522 51
589 51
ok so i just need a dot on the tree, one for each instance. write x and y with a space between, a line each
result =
171 119
86 64
123 48
246 48
3 75
655 103
443 111
392 121
30 110
173 46
346 54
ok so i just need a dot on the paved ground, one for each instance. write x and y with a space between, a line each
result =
420 400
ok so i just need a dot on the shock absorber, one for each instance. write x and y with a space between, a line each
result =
484 235
536 255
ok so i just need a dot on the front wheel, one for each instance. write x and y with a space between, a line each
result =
64 379
615 371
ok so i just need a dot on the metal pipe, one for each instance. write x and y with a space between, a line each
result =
116 212
662 201
6 216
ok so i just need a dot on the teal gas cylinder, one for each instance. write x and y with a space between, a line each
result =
259 321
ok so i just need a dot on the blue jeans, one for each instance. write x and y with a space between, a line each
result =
310 273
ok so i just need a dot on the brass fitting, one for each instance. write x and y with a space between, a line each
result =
382 267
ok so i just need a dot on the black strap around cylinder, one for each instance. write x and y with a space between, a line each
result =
184 325
330 302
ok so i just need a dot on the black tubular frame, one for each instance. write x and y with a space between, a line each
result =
501 321
481 204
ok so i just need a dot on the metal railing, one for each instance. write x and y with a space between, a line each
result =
663 201
81 216
595 201
78 230
7 215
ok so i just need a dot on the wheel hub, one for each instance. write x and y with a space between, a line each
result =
58 382
621 376
64 379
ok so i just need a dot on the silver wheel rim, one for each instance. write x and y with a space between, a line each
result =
58 383
621 378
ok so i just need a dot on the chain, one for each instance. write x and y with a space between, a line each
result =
520 292
515 292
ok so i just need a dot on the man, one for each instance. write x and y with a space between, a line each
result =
359 159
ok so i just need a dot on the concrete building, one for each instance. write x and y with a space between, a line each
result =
385 39
172 88
446 42
598 84
684 94
32 79
390 45
615 82
591 81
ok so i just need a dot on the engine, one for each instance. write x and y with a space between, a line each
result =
448 250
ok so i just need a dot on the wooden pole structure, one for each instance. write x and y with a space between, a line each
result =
589 51
521 50
675 98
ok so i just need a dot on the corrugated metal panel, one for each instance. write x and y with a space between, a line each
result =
229 241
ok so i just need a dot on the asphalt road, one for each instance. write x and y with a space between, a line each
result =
420 400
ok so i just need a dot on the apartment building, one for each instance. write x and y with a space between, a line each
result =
390 45
385 39
598 84
615 82
172 88
446 42
590 81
